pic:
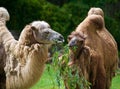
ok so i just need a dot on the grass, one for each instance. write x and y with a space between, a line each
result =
116 82
49 81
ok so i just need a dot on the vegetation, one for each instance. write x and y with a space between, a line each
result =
72 76
58 71
48 81
115 82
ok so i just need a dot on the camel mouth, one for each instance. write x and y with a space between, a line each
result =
52 42
74 48
72 45
60 42
60 39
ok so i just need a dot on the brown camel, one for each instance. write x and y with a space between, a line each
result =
103 51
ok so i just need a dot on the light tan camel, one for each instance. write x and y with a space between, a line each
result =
25 59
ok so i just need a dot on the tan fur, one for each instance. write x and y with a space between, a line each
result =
103 51
26 70
25 59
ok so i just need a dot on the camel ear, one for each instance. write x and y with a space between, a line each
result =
34 28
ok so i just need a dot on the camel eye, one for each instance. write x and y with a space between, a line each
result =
47 32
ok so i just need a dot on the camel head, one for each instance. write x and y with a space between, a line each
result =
76 40
44 34
4 15
75 43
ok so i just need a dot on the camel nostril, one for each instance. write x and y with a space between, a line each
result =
61 38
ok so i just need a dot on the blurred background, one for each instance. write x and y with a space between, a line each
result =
62 15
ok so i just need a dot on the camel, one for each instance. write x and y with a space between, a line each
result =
23 60
103 51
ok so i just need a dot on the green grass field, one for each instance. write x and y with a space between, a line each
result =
116 82
49 81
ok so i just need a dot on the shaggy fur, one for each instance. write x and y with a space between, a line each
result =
4 16
110 46
25 59
24 64
103 51
2 65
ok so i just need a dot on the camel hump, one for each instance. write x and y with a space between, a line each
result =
4 15
96 11
97 21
